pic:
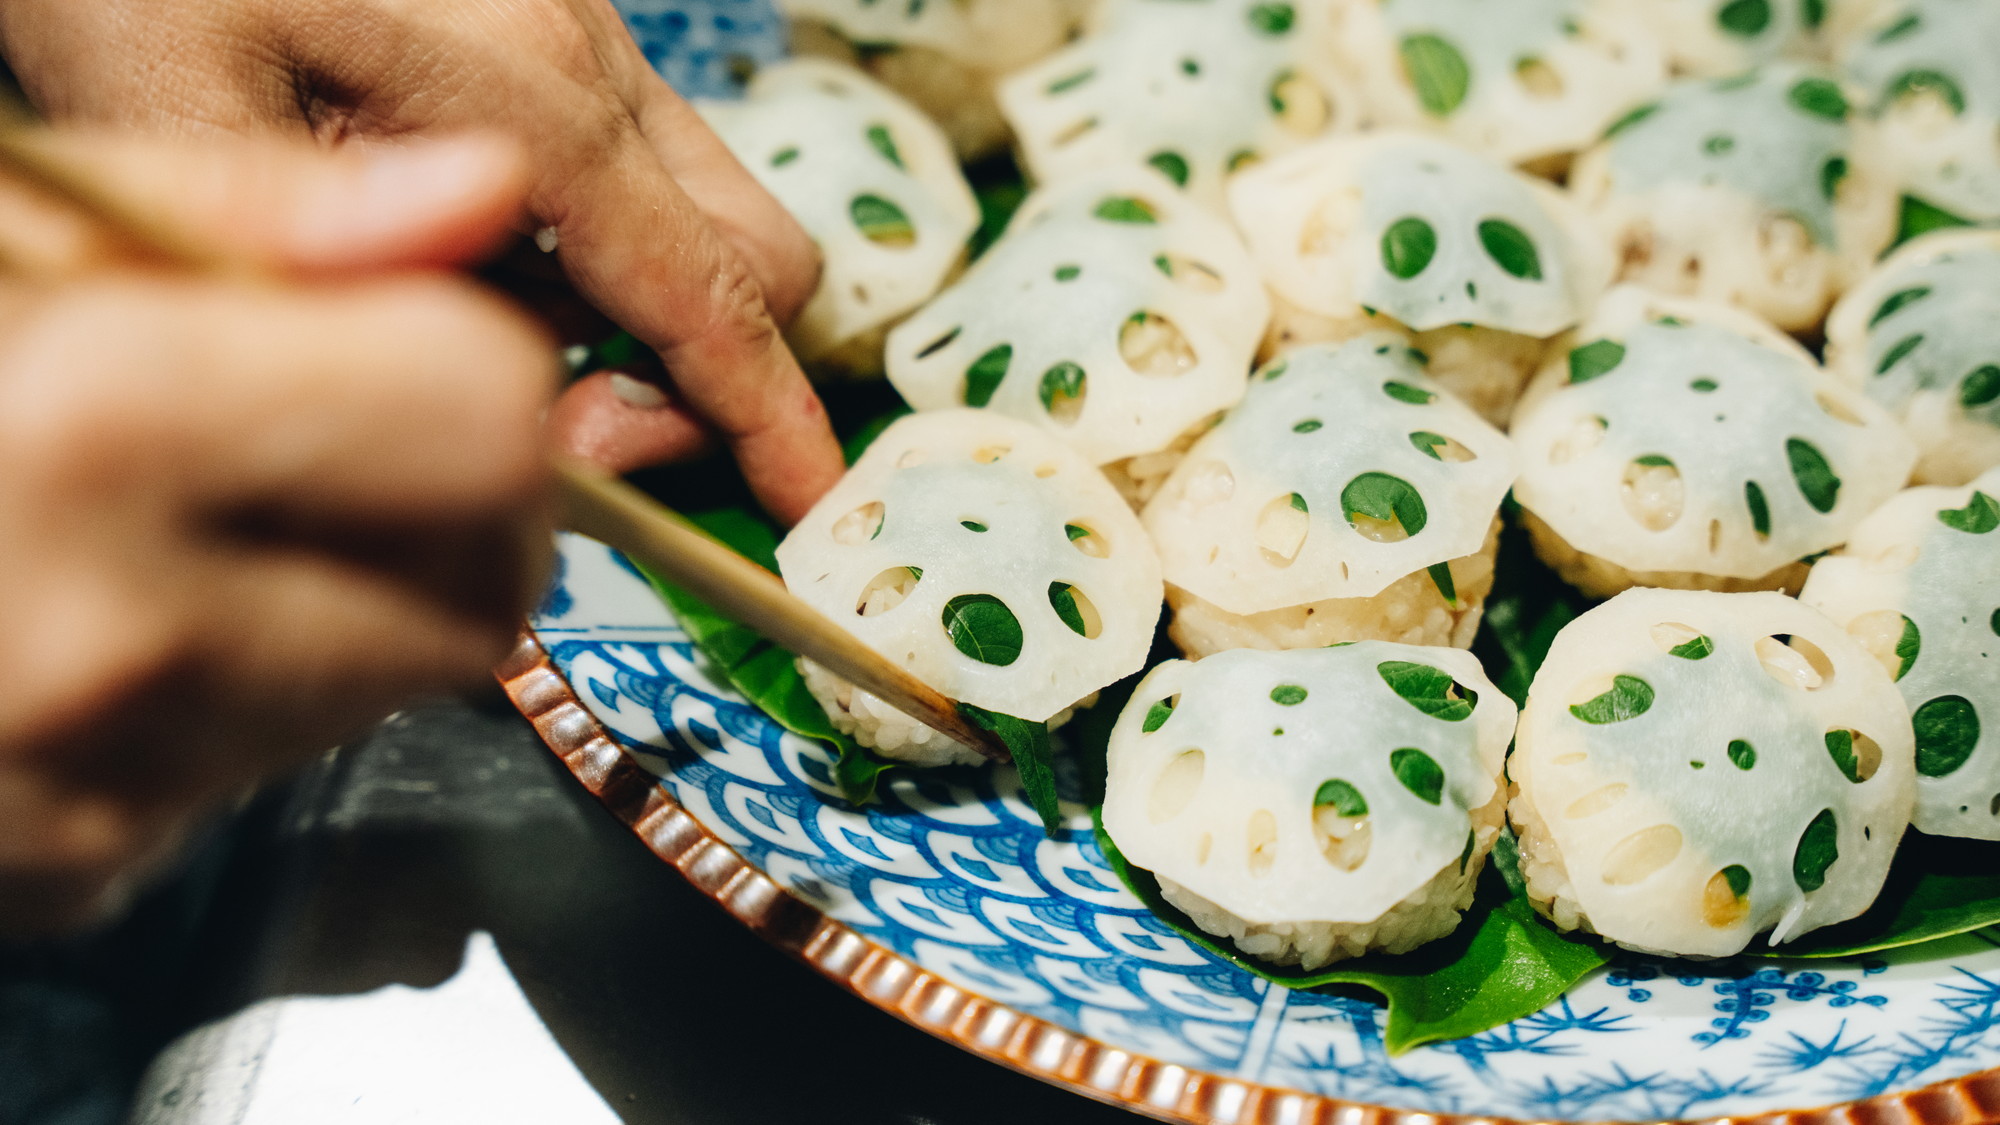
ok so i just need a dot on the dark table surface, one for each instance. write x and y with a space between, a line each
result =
375 866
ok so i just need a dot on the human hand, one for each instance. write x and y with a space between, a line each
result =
240 519
656 224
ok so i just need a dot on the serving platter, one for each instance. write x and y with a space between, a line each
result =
945 905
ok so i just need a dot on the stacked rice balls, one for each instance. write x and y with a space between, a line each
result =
1302 293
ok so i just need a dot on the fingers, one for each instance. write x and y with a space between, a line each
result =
755 224
638 247
624 422
292 207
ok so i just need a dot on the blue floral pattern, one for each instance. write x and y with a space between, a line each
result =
705 48
952 871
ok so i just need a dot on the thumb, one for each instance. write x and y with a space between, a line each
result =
289 206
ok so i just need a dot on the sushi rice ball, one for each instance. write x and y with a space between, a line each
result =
1693 769
986 558
1476 265
1930 72
1686 444
1115 313
1530 82
944 57
1315 805
1761 190
1919 587
1348 496
1194 88
875 185
1921 336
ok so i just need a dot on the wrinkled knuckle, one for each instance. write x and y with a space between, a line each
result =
738 313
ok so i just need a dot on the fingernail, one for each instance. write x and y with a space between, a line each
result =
637 392
545 240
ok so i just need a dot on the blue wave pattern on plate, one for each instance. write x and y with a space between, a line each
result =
705 48
952 872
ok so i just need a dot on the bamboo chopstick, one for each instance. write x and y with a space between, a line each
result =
593 503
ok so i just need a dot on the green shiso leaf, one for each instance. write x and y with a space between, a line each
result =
1819 847
1438 72
1628 698
1896 302
1125 209
1402 392
1501 964
1060 383
1739 879
1914 82
1831 174
1157 716
880 140
1907 647
1380 496
1760 512
1895 354
1979 516
1062 598
1427 689
1980 387
1742 755
1419 773
1028 743
1631 118
1427 443
1918 217
1441 578
1172 165
1937 888
1272 19
1407 247
1947 732
1840 747
1288 695
1594 359
1697 649
1342 797
1820 97
1812 13
983 628
1814 475
983 377
881 220
1511 249
1744 18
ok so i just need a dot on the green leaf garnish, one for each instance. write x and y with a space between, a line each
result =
1812 13
1907 647
1172 165
1814 475
1840 747
1382 497
1594 359
1447 587
1298 502
1062 599
1895 354
1900 28
1918 217
1309 426
880 140
1628 698
1157 715
1654 460
1404 392
1742 755
1631 118
1511 249
1744 18
1075 533
1028 744
1428 689
1271 19
983 628
984 376
1738 878
1980 387
1408 246
1917 82
1060 384
1419 773
1697 649
1760 512
1288 695
1937 888
1427 443
784 156
881 221
1820 97
969 525
1979 516
1342 797
1438 72
1818 847
1831 174
1897 301
1071 273
1125 209
1947 732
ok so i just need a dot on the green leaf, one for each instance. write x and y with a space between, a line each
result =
1742 755
784 156
1157 715
1738 877
1288 695
1628 698
1820 97
1907 647
1511 249
1172 165
1819 847
1447 588
1831 174
880 140
1071 273
1438 72
1915 82
1062 598
1697 649
1075 533
1070 82
1408 246
1271 19
983 377
999 188
969 525
1979 516
1419 773
1028 744
1501 964
1528 606
1653 460
1840 747
1815 476
1631 118
881 220
1380 496
1703 386
1060 383
1895 354
1719 144
1937 888
1404 392
1427 443
983 628
1760 512
1125 209
1344 798
1897 301
1427 689
1298 502
1812 13
1899 29
1980 387
1594 359
1745 18
1918 217
1947 733
1309 426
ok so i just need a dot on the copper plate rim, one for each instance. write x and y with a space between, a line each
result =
996 1032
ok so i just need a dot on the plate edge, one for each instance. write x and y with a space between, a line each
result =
997 1033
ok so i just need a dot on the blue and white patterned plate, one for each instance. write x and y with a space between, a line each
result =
952 873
